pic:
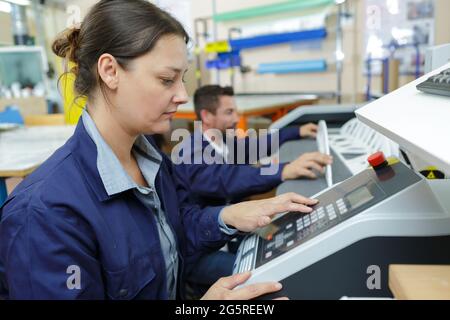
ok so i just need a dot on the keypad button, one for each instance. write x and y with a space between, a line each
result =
249 262
306 223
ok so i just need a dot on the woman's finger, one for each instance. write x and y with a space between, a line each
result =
255 290
281 208
295 197
233 281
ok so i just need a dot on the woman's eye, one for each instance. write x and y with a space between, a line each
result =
167 82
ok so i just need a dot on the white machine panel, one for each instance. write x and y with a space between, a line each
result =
392 201
418 122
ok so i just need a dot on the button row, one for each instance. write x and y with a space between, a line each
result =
342 206
246 264
279 240
300 225
249 244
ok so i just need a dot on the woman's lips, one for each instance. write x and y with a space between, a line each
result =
171 111
169 114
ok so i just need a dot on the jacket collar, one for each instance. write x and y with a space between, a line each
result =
84 151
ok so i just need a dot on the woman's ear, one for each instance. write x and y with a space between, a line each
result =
108 70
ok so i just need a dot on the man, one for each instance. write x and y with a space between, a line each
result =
231 181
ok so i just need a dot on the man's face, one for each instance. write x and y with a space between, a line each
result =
226 116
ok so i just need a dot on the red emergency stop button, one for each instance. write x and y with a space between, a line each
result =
377 159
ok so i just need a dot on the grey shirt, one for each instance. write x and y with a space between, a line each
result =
116 180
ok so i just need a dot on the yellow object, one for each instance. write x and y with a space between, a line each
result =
218 47
433 173
392 160
73 107
45 120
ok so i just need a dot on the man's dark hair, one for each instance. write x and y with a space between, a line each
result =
207 98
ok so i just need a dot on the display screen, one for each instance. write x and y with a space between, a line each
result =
359 197
22 67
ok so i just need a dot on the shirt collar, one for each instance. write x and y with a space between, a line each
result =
114 177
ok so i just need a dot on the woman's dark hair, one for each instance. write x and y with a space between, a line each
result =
126 29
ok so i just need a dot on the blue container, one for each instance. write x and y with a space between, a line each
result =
306 66
270 39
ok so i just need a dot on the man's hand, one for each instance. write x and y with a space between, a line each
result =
304 165
251 215
308 130
223 289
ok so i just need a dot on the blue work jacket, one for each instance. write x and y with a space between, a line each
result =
220 184
63 237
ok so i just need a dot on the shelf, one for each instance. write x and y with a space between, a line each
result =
275 8
271 39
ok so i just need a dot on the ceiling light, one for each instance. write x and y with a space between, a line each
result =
5 7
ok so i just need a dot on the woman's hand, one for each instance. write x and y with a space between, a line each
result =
223 288
251 215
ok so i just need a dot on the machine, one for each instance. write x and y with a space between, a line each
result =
379 217
385 214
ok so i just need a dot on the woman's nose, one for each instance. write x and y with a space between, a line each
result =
181 95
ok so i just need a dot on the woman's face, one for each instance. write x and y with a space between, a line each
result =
150 90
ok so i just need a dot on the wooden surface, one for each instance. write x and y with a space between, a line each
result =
45 120
22 150
27 106
276 106
257 103
410 282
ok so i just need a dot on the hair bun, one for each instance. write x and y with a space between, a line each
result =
67 44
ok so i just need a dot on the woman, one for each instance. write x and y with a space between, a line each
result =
100 218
